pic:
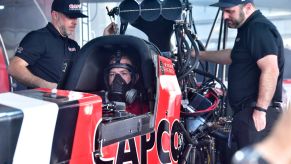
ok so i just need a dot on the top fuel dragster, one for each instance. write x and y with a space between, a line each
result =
186 122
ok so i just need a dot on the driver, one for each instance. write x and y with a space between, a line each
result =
121 79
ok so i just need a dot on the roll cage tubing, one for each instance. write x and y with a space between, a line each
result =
187 67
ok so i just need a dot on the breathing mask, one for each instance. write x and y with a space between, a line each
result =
119 90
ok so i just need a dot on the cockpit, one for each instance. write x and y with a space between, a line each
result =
87 74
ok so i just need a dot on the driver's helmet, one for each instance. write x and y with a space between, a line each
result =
120 78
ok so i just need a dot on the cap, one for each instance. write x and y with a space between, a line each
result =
71 8
230 3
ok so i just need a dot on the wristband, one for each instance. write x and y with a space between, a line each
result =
260 109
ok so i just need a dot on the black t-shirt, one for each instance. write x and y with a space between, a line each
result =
48 54
257 38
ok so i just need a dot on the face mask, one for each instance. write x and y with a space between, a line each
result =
120 91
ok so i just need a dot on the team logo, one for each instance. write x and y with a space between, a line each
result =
19 50
65 65
72 49
74 6
237 39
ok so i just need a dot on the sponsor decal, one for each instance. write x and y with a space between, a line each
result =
147 145
74 6
162 68
19 50
167 68
65 65
72 49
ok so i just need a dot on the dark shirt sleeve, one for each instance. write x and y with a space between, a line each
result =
263 41
31 48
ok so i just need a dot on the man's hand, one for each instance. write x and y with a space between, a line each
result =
259 120
49 85
110 29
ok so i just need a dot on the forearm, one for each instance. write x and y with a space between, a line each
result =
219 57
23 75
267 87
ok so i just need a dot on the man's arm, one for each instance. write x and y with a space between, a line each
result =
275 148
219 57
18 70
267 86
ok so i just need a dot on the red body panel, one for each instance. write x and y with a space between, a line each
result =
89 117
4 78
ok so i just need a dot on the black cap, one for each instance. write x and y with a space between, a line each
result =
230 3
71 8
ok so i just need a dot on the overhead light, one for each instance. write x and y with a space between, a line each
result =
2 7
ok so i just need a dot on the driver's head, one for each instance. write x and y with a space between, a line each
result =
120 77
122 67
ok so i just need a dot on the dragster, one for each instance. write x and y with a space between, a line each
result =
62 126
73 124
